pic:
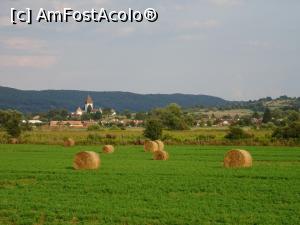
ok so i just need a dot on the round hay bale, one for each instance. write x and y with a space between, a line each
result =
86 161
69 142
14 141
150 146
108 149
161 145
160 155
237 159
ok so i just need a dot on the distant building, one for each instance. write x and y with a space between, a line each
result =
32 121
225 123
36 117
79 112
88 104
113 112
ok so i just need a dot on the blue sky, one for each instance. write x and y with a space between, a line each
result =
235 49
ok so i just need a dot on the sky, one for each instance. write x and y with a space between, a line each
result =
234 49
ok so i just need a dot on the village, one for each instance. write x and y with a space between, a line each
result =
91 116
87 116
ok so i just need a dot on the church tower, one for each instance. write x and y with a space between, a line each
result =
88 102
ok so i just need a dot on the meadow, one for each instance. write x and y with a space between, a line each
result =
39 186
134 136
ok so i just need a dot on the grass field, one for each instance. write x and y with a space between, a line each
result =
39 186
204 136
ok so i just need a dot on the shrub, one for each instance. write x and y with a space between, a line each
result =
94 138
114 127
267 117
287 132
236 133
153 129
11 122
169 137
4 138
94 127
205 137
268 125
110 136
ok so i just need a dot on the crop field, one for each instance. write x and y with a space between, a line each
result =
39 186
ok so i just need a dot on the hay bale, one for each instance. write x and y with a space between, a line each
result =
160 155
161 145
86 161
69 142
13 141
108 149
237 159
150 146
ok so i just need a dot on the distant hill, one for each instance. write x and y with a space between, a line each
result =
41 101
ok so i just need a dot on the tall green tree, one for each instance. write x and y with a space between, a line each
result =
267 117
153 129
10 121
89 109
172 117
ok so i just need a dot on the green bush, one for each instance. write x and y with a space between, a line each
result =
94 138
153 129
287 132
110 136
268 125
94 127
236 133
10 121
205 137
4 138
114 127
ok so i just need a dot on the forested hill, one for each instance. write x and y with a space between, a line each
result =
41 101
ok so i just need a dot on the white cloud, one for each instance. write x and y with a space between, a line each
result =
4 21
223 3
20 43
189 37
125 31
207 24
30 61
259 44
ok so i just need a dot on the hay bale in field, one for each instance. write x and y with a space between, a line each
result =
150 146
237 159
160 155
160 144
69 142
13 141
108 149
86 161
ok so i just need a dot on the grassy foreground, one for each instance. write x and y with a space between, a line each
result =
39 186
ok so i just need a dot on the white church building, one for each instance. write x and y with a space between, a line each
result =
88 104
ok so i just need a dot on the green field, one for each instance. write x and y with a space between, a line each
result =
39 186
132 136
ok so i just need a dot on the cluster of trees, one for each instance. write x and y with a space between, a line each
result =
259 105
285 125
284 122
10 121
172 117
53 114
288 132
